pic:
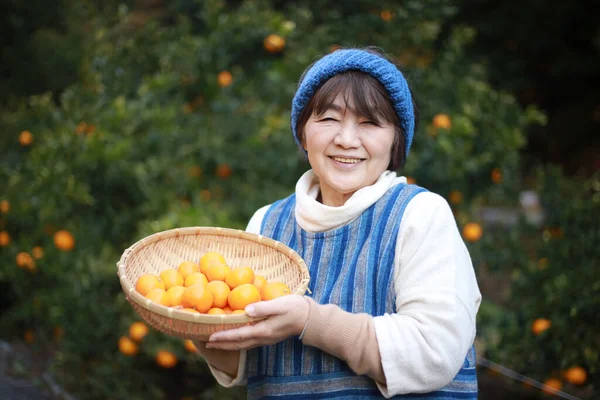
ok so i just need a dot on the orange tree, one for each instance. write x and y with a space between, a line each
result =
187 123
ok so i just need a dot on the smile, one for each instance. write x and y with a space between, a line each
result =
347 160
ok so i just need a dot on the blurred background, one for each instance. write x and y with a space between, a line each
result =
120 119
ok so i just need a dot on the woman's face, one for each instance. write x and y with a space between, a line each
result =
346 151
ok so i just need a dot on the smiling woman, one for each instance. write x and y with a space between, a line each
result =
393 292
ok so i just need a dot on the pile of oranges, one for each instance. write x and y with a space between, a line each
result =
209 286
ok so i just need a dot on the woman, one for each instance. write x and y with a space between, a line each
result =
393 291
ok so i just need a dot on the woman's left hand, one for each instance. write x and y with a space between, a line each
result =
285 317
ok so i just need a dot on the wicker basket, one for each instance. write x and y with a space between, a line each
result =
168 249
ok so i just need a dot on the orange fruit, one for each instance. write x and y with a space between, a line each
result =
274 43
195 277
576 375
540 325
220 290
137 331
198 297
442 121
472 232
496 175
190 346
58 332
187 267
37 252
147 282
127 346
24 260
553 384
211 258
4 206
171 277
386 15
166 359
260 282
242 295
215 311
238 312
158 296
274 290
4 238
455 197
189 310
63 240
240 276
25 138
223 171
224 78
228 310
217 272
410 180
175 296
29 336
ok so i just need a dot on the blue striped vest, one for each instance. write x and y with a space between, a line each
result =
291 370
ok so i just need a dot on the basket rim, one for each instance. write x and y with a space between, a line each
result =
178 314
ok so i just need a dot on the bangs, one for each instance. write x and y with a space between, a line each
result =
363 95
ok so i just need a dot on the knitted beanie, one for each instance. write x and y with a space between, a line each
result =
358 60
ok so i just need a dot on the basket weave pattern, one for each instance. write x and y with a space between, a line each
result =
167 249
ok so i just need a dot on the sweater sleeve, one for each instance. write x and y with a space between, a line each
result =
229 367
423 345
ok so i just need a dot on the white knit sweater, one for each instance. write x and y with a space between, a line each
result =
424 344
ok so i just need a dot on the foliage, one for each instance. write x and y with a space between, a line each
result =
147 140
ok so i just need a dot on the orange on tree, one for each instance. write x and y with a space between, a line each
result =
4 239
274 43
273 290
197 297
137 331
496 175
224 78
166 359
37 252
127 346
24 260
576 375
195 277
4 206
29 336
147 282
25 138
259 282
158 296
211 258
57 333
224 171
64 240
187 267
240 276
553 384
243 295
190 346
175 296
540 325
220 291
472 232
455 197
171 277
410 180
386 15
442 121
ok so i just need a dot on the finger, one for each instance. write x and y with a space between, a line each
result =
267 308
237 334
234 345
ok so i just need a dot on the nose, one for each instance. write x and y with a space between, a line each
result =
347 136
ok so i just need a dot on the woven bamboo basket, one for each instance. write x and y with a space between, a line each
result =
168 249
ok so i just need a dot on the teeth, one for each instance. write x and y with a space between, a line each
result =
347 160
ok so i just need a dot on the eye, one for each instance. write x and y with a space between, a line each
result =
328 119
367 122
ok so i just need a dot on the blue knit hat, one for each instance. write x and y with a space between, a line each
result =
358 60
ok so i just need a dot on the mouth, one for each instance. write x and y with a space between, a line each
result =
347 160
